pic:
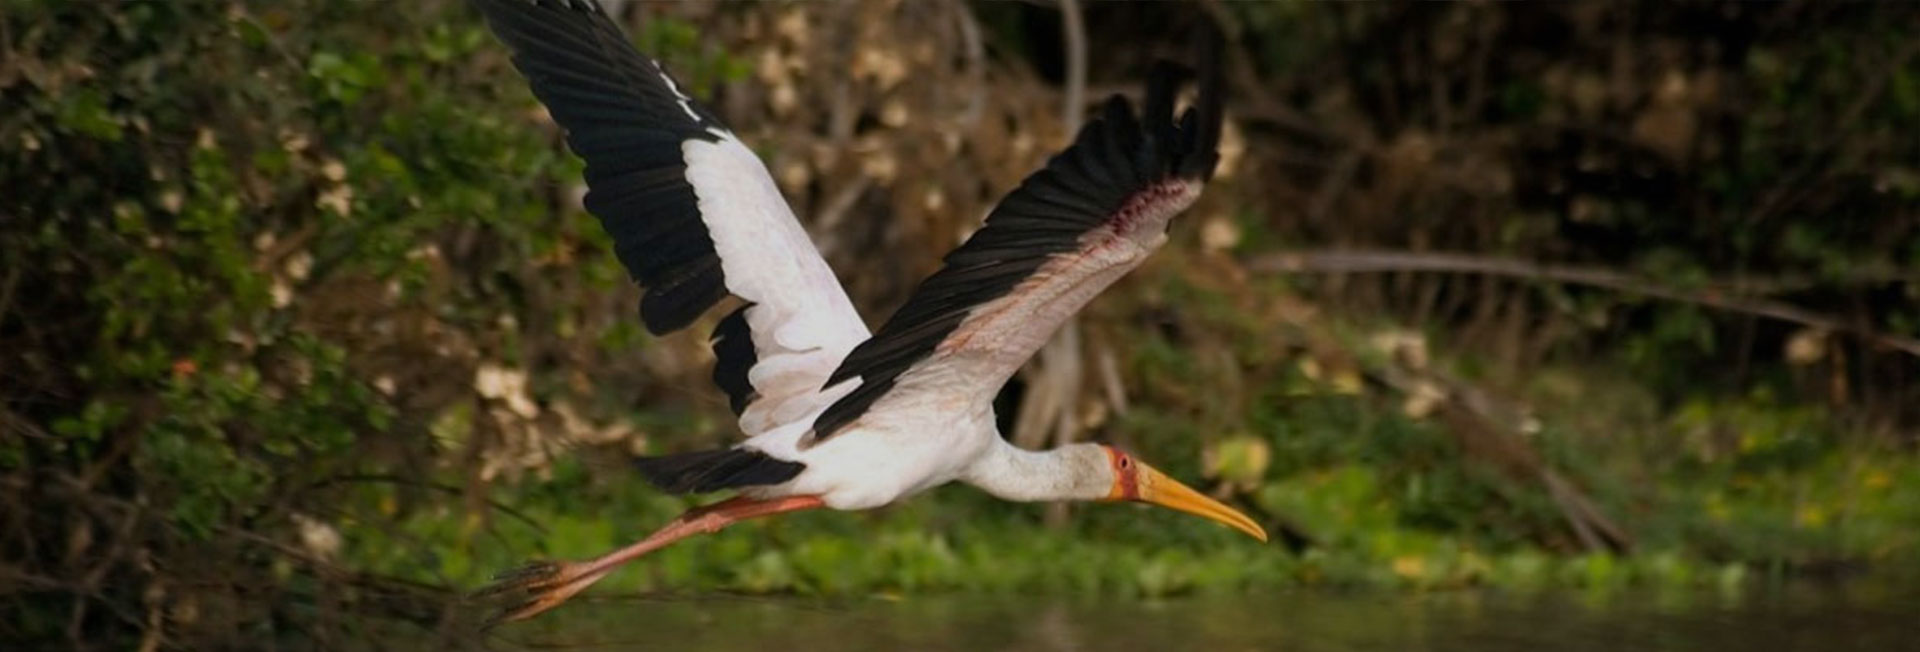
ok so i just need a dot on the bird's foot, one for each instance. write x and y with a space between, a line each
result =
539 586
535 588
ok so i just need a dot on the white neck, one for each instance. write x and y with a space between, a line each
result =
1070 472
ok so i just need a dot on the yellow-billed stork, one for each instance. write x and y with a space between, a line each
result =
834 416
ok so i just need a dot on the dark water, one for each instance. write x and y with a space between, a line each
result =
1784 619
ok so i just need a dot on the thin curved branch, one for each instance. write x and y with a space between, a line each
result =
1074 27
421 484
1792 183
1715 295
976 72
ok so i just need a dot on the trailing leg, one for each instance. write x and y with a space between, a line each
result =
546 584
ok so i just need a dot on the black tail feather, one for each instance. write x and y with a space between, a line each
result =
713 470
733 357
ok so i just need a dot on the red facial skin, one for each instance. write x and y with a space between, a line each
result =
1126 476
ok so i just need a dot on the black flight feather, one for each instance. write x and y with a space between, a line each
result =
622 117
1115 157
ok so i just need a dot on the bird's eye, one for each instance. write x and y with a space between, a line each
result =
1126 462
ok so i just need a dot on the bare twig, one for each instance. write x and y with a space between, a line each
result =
843 114
1791 185
1357 261
826 222
1594 529
1029 424
422 484
283 247
1110 380
1074 26
1487 430
976 74
293 62
1334 185
1715 296
6 291
1253 99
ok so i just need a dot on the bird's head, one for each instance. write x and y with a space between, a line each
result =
1134 481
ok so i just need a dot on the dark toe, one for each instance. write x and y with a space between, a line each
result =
529 570
518 611
529 578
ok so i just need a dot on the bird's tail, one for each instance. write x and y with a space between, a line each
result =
713 470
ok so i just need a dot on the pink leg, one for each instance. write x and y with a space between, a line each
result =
547 584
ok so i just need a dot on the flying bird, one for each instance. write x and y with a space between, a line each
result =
836 416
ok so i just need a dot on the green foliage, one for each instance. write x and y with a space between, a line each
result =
220 222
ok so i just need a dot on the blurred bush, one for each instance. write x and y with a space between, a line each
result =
1753 153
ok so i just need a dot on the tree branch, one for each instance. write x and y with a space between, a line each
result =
1717 295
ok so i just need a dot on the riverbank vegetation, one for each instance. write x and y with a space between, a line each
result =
302 327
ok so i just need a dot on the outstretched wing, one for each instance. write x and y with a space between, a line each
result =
1068 231
693 214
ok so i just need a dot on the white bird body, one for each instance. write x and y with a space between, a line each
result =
838 416
887 457
931 430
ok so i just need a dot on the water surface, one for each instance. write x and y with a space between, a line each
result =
1801 618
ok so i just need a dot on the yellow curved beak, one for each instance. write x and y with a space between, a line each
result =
1157 488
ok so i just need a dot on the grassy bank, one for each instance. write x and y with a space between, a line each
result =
1384 501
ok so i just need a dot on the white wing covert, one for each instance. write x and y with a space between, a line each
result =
693 214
